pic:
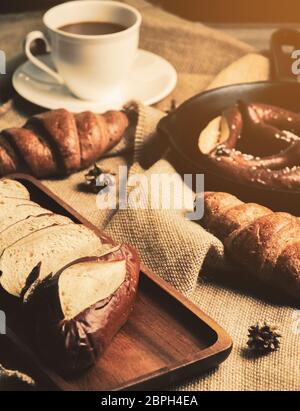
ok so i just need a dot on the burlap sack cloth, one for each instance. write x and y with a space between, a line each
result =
178 249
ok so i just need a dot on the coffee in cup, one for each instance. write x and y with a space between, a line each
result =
93 45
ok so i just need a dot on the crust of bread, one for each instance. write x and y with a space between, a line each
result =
214 204
92 137
9 162
58 338
52 247
35 152
225 213
248 245
61 132
117 122
267 246
58 142
287 269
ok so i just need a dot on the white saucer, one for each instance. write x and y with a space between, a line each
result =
152 78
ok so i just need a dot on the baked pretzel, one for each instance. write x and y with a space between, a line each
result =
255 143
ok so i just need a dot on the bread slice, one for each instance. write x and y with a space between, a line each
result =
28 226
75 313
12 188
52 248
7 204
10 162
13 210
82 284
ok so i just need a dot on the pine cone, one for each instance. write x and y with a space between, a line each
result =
92 182
263 338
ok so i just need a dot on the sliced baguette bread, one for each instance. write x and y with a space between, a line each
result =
52 248
28 226
75 314
12 188
11 213
34 281
7 203
83 284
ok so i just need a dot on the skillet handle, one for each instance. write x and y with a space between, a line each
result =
282 61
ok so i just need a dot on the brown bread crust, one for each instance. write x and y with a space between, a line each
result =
264 243
61 130
232 213
41 164
90 132
74 345
9 162
99 133
57 142
262 149
248 246
287 269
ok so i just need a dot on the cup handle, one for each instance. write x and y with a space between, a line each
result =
35 35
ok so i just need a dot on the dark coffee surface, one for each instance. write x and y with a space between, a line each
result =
92 28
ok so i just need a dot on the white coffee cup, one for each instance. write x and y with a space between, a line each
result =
93 67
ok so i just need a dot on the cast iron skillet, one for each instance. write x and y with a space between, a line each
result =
183 126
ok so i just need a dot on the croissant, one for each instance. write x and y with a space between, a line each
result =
57 142
264 243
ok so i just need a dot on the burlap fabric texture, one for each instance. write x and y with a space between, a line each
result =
179 250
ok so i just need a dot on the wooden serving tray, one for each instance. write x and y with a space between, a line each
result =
167 338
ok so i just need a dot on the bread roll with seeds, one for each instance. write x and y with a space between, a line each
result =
256 144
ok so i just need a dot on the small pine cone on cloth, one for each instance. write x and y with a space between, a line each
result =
263 338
